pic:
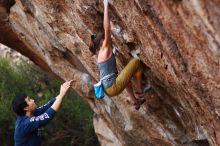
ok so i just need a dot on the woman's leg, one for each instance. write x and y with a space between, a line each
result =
138 80
130 92
124 77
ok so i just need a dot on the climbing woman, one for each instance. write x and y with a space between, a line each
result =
113 83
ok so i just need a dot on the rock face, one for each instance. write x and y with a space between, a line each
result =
12 54
179 43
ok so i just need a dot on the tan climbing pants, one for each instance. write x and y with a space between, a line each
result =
133 68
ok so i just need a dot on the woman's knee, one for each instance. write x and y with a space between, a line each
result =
136 62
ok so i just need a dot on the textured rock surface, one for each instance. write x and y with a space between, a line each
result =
180 46
12 54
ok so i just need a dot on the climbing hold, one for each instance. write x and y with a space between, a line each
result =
135 53
87 79
116 49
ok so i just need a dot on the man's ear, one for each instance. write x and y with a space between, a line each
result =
26 108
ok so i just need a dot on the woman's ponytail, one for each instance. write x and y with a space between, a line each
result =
96 40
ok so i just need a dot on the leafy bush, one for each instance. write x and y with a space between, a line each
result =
72 126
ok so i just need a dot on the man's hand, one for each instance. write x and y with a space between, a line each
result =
65 87
63 90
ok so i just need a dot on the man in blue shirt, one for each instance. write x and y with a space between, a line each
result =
30 118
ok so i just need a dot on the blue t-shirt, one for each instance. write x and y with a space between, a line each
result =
27 128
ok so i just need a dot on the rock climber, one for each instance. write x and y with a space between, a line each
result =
114 84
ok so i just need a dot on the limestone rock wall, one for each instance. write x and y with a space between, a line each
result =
12 54
179 42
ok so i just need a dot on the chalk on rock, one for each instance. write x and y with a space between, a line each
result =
135 53
87 79
110 1
116 49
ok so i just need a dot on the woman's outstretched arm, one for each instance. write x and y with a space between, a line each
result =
106 24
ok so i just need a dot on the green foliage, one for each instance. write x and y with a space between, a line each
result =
72 126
